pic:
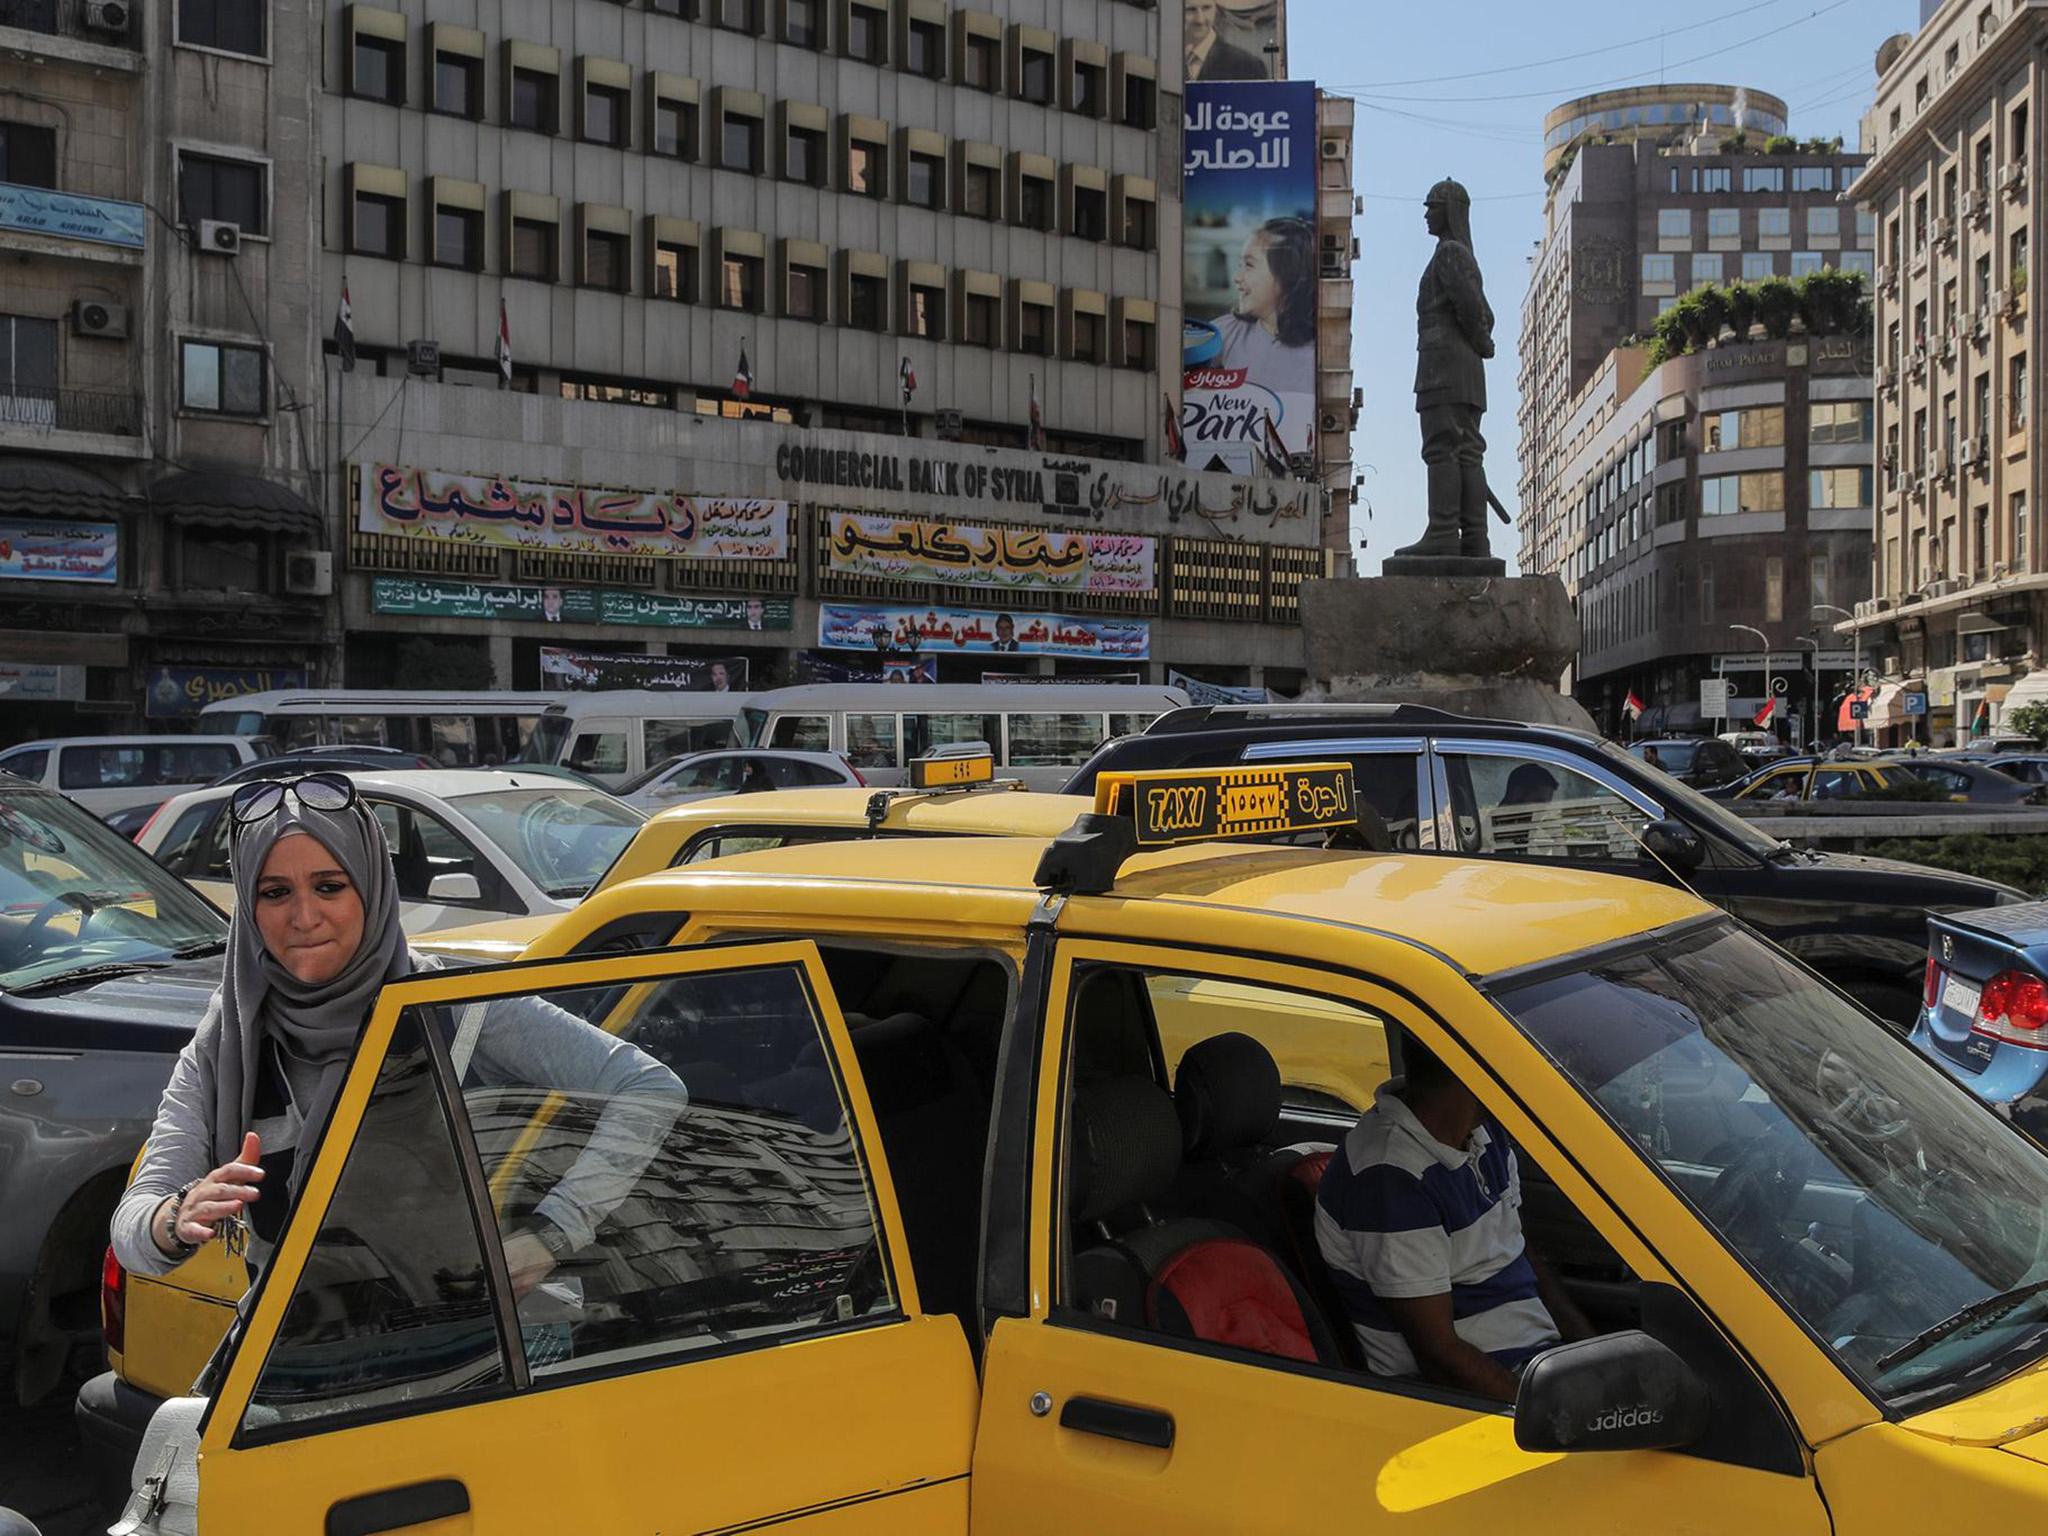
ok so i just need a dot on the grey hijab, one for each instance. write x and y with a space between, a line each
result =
260 999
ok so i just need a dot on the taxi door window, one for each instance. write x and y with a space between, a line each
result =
671 1170
1837 784
1785 784
423 846
1538 809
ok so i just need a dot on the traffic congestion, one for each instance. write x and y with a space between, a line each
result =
1456 1111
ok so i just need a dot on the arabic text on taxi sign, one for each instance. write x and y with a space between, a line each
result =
1210 804
951 772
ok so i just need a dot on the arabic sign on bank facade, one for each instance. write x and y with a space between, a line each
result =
855 626
415 597
67 216
963 554
38 551
573 519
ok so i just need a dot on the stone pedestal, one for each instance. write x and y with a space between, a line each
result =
1480 645
1443 565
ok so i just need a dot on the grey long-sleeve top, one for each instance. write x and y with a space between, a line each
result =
523 1040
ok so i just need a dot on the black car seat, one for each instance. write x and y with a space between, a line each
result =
1194 1277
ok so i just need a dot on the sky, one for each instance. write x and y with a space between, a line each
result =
1485 129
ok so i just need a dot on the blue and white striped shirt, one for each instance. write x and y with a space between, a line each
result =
1400 1215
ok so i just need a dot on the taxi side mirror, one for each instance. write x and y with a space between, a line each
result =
1674 845
1618 1392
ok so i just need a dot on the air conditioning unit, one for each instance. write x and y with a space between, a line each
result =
1884 378
1887 276
1947 350
1867 608
1334 264
423 358
2000 301
1919 356
1333 149
219 237
1969 450
97 317
1970 205
309 573
1941 464
1333 240
111 16
1332 422
1944 231
2015 178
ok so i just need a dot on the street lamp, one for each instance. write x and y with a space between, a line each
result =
1770 690
1856 666
1814 742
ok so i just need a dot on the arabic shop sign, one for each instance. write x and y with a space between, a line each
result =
574 519
583 671
173 691
855 627
38 551
964 554
67 216
411 597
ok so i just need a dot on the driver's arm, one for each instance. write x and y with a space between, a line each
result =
1571 1323
1426 1322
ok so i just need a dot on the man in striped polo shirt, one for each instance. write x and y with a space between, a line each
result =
1419 1221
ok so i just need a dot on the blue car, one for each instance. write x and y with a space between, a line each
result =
1984 1012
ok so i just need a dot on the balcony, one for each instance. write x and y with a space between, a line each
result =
80 421
102 34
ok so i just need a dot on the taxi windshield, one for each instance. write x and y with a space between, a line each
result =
563 837
1905 1225
1699 808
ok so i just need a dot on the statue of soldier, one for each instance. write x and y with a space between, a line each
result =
1454 337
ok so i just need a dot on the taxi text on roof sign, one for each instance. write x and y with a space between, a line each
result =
952 772
1204 805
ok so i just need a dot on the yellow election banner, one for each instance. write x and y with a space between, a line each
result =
410 502
990 555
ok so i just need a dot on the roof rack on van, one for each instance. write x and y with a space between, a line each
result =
1209 717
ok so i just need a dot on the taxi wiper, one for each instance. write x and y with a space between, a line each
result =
86 975
1976 1312
199 950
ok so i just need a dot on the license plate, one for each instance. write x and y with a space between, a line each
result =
1960 997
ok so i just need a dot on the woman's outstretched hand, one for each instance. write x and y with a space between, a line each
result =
221 1196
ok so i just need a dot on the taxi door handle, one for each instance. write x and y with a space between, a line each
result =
393 1509
1118 1421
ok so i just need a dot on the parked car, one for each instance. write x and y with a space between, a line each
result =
1984 1011
113 773
468 843
1451 784
131 819
1947 779
334 759
696 775
1704 762
107 962
2027 767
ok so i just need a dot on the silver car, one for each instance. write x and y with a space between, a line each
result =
699 774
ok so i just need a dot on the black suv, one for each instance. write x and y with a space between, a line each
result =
1544 794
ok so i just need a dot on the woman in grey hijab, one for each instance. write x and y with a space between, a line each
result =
315 937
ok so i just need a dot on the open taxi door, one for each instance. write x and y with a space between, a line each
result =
596 1244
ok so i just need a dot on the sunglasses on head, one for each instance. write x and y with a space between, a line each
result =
314 791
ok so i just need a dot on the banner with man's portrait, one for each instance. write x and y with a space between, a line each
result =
1234 39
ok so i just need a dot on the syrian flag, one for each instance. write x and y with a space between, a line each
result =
345 330
1632 706
1176 445
1036 440
504 347
743 376
1272 449
1763 715
909 376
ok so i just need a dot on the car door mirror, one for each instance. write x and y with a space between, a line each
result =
1674 845
454 887
1618 1392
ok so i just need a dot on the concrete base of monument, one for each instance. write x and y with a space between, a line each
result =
1479 645
1443 565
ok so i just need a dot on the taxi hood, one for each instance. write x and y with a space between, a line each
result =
2012 1416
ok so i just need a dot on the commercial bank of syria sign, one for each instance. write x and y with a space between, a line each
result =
1251 258
418 503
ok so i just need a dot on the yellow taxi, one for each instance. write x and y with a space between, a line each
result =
906 1225
1807 779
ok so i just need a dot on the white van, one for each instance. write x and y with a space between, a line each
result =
1040 732
454 728
618 734
114 773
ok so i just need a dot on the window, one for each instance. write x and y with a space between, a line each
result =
1823 223
1818 587
458 85
927 317
982 192
806 297
1035 76
738 15
1091 214
1774 589
1706 268
379 70
1725 495
1534 809
210 188
981 323
871 740
740 283
1756 265
1840 421
740 144
533 100
1051 741
2016 259
1034 329
1804 262
1813 178
1724 223
1034 202
219 560
675 272
1674 223
28 155
2016 393
1088 337
605 114
867 169
1755 427
982 63
1863 262
867 302
28 371
1141 224
1659 267
1141 101
1090 89
459 238
924 180
536 250
1774 223
1763 178
1847 486
607 258
233 26
804 157
675 129
378 226
226 380
801 733
2016 506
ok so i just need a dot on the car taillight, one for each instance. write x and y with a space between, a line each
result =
1930 993
862 782
113 1302
2014 1008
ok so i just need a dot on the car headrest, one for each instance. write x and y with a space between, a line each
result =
1125 1146
1227 1091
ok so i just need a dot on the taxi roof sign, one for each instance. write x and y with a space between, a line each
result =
954 769
1204 805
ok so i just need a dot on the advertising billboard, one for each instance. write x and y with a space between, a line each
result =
1250 275
1234 39
967 554
855 626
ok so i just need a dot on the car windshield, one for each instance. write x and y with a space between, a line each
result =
545 745
1877 1198
1672 756
563 837
74 896
1698 810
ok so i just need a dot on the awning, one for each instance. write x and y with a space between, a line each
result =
1846 721
51 488
226 500
1889 707
2031 689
